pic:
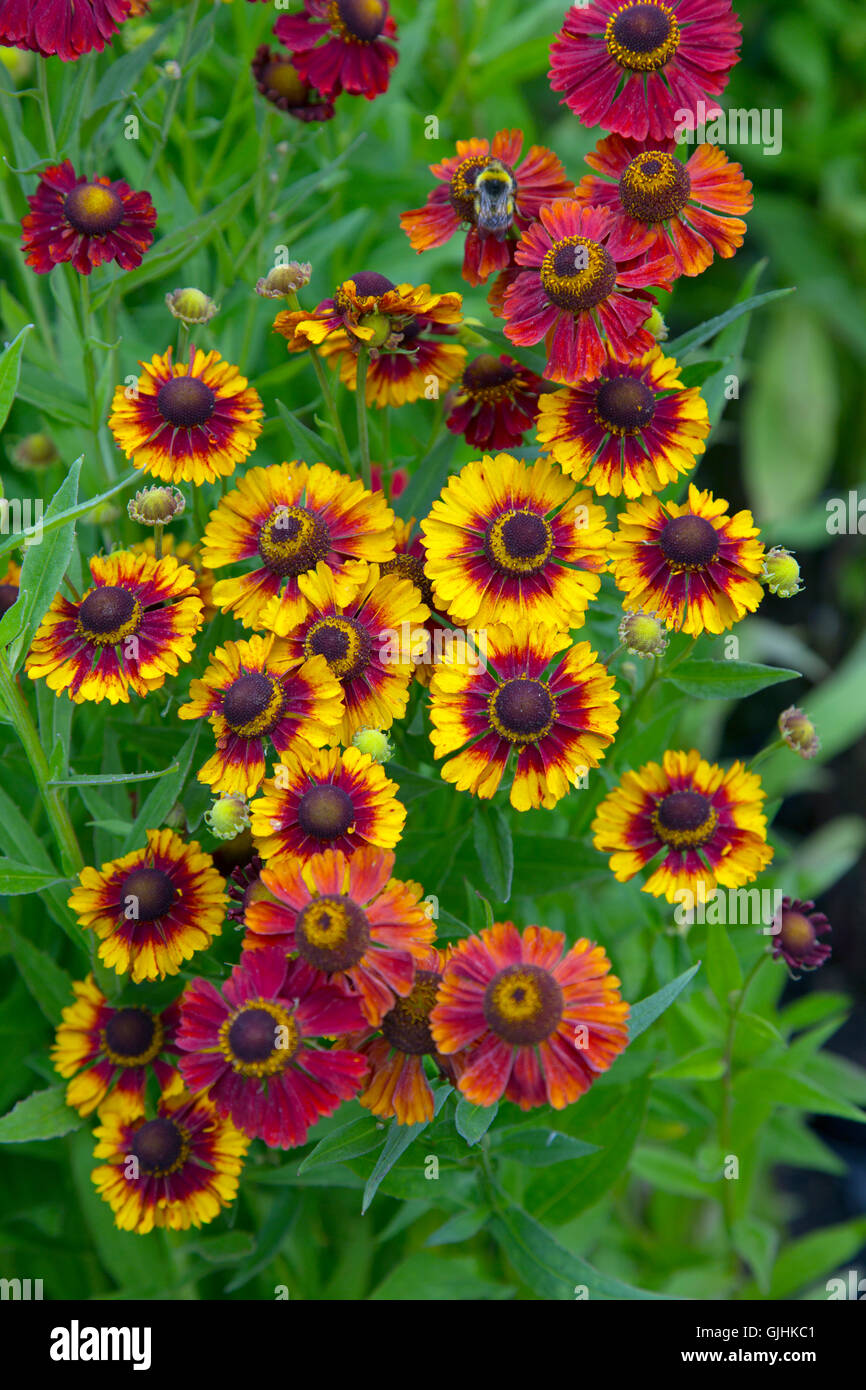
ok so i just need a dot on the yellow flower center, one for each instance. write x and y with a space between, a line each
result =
332 933
93 209
689 542
358 21
577 273
642 36
654 186
523 1004
253 704
406 1027
293 540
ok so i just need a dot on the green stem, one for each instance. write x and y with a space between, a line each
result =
765 753
45 103
363 424
90 379
174 95
330 406
157 541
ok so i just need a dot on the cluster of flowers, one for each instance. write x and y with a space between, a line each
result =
341 991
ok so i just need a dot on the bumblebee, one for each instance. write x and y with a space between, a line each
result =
494 199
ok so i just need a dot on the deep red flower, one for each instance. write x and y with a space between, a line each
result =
85 221
339 45
275 76
65 27
495 402
798 927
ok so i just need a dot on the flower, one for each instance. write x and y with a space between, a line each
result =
289 518
413 363
131 629
540 1021
282 281
189 554
396 1083
156 506
85 221
152 909
228 816
707 823
664 206
581 292
557 718
374 742
358 927
409 563
368 310
256 695
693 564
495 403
642 68
338 45
67 28
797 927
187 422
510 196
100 1046
252 1046
187 1162
799 732
191 306
278 81
371 642
508 540
781 573
632 429
325 800
643 634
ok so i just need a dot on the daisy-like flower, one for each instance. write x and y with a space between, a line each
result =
85 221
67 28
350 920
416 355
556 717
371 642
409 563
798 928
9 587
153 908
632 429
253 1046
129 631
100 1046
508 541
256 696
325 800
368 310
187 1161
511 193
693 564
581 292
634 67
342 45
396 1083
189 554
276 78
495 403
690 210
707 824
287 519
542 1020
188 421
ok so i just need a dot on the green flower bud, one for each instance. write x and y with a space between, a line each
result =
781 573
375 742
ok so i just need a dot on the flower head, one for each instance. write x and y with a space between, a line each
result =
781 573
191 306
67 28
278 81
228 816
282 281
342 45
369 310
375 743
495 402
156 506
418 355
35 451
797 928
643 634
799 732
85 221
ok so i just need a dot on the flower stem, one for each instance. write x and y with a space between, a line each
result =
45 103
157 541
174 95
765 753
330 406
361 402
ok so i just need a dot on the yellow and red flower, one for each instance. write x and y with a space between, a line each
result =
287 519
252 1046
399 371
539 1021
495 403
257 695
187 1161
523 188
277 79
692 563
342 45
100 1047
67 28
708 826
634 67
409 563
798 928
350 920
128 632
370 642
187 422
581 292
186 553
691 211
633 429
508 540
153 908
325 800
85 221
368 310
556 717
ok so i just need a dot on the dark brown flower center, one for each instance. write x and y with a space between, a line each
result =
147 894
293 540
252 1035
252 704
411 567
689 542
523 1004
130 1032
684 819
325 812
654 186
522 710
343 642
332 933
577 273
185 402
624 404
158 1145
642 37
407 1027
106 609
488 374
363 20
8 597
93 209
370 282
518 542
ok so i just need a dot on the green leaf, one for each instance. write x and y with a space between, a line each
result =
49 984
548 1268
642 1014
44 1115
110 779
538 1148
426 1276
8 543
428 480
460 1227
398 1141
782 1087
704 1064
491 834
119 78
159 802
473 1121
671 1171
45 565
727 680
722 964
353 1140
702 333
696 373
756 1242
312 448
815 1256
18 878
10 370
224 1249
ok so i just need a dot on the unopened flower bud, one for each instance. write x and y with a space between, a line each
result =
374 742
284 280
172 70
191 306
656 325
379 325
781 573
35 451
156 506
799 732
643 634
228 816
